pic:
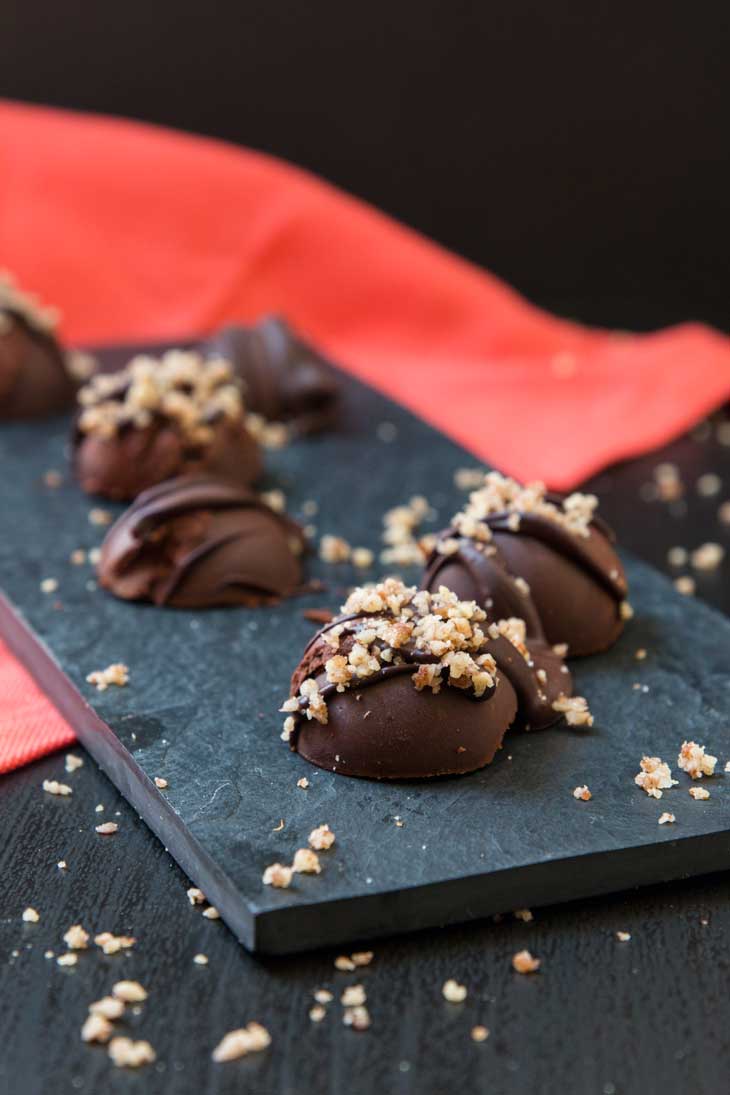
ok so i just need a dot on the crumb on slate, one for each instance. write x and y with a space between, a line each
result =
453 991
53 787
524 962
321 838
117 674
277 875
479 1033
107 828
196 896
666 818
694 761
126 1053
685 585
306 862
211 913
73 762
699 792
30 915
237 1043
76 939
130 992
623 937
582 793
655 776
160 782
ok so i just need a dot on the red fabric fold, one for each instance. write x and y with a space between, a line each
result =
139 232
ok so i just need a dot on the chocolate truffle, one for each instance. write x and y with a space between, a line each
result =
407 684
518 551
284 380
35 373
195 542
158 418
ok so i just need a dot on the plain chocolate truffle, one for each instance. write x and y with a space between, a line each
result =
284 379
35 375
407 684
520 551
158 418
196 542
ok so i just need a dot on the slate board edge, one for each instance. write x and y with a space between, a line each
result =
329 923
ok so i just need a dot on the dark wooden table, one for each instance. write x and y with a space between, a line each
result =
644 1016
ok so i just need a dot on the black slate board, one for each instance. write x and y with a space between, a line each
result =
201 710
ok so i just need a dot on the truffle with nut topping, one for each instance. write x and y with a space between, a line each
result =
195 542
35 372
519 551
284 379
158 418
407 684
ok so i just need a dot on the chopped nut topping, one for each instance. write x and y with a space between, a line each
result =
623 937
362 958
342 962
126 1053
362 557
333 549
655 776
31 915
62 864
707 556
685 585
117 674
709 485
112 944
76 939
237 1043
640 654
500 495
666 818
699 792
274 499
100 517
317 1013
27 306
130 992
96 1029
353 996
575 709
107 828
277 875
196 896
67 959
211 913
469 478
399 533
694 761
303 783
321 838
323 996
453 991
525 915
479 1034
582 793
108 1006
677 556
160 782
53 479
53 787
49 585
306 862
73 762
626 611
523 962
358 1018
200 959
179 387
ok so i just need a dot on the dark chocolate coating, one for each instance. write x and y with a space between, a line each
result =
576 583
135 459
199 542
34 381
393 731
284 379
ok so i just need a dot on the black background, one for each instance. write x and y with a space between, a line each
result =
578 150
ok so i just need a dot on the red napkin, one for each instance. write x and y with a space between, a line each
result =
138 232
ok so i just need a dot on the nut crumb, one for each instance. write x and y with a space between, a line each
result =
131 992
211 913
31 915
196 896
76 939
575 709
699 792
479 1034
117 674
623 937
306 862
78 557
96 1029
112 944
108 1006
655 776
640 654
523 962
666 818
67 959
277 875
582 793
126 1053
453 991
333 549
321 838
52 478
317 1013
237 1043
677 556
62 865
525 915
358 1018
107 828
49 585
709 485
160 782
303 783
707 556
362 958
323 996
685 585
694 761
342 962
362 557
100 517
200 959
353 996
53 787
73 762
